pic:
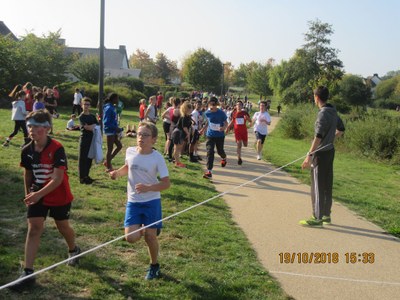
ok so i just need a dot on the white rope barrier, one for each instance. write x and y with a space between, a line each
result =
154 223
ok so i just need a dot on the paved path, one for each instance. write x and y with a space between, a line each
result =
268 212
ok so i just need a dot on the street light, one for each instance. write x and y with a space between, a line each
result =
222 80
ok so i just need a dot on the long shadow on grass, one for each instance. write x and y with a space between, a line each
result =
361 232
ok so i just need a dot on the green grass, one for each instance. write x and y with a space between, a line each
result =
204 255
370 188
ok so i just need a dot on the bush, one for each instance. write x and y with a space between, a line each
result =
298 122
150 90
376 136
130 82
128 96
386 103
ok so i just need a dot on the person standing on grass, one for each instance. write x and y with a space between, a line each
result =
239 119
87 123
142 164
261 120
47 191
327 126
215 134
76 104
111 129
181 133
197 118
39 103
160 99
18 114
142 109
151 112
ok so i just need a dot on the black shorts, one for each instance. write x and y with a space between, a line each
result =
260 136
57 212
166 127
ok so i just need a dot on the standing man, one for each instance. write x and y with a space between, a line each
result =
239 119
261 120
327 126
77 102
215 134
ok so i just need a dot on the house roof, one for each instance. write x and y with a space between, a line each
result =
4 30
113 58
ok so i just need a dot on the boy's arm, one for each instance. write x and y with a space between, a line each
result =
158 187
123 171
56 179
28 179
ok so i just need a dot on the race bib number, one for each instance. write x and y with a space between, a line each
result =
214 126
239 121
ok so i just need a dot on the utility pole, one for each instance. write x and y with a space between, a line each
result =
101 68
222 80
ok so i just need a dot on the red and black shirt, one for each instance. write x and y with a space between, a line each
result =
42 165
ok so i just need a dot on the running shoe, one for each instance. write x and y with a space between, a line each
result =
73 253
6 144
207 175
326 220
258 157
223 162
240 161
153 272
24 283
311 222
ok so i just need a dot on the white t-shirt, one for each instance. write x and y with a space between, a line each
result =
143 168
261 127
196 117
71 124
77 98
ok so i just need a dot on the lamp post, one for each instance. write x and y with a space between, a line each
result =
222 80
101 67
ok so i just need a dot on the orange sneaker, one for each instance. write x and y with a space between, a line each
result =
180 165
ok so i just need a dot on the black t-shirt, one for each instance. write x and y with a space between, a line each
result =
87 120
183 122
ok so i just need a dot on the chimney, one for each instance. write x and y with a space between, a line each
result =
122 48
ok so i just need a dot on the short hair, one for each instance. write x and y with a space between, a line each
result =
40 116
73 116
214 100
150 126
20 94
239 102
87 99
264 102
322 92
111 97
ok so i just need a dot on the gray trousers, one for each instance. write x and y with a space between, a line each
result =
322 183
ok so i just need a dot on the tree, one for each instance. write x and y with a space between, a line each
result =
203 70
354 91
325 57
239 76
165 68
142 60
316 63
86 68
40 60
258 80
386 88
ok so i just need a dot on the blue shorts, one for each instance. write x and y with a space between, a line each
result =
260 136
138 213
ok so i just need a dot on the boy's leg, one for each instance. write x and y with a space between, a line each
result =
134 237
210 144
35 229
150 237
220 147
67 232
117 143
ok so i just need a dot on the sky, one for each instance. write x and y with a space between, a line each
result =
237 31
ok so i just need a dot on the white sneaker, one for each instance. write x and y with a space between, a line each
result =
258 157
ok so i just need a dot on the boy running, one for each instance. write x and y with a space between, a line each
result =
239 119
47 190
261 121
142 164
